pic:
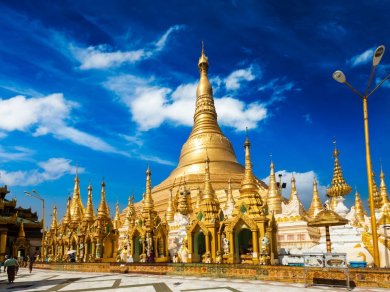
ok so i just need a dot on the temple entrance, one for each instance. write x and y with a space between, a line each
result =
137 248
244 242
199 246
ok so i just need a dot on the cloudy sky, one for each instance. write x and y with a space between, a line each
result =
110 87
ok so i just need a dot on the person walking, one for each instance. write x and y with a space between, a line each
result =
30 262
11 264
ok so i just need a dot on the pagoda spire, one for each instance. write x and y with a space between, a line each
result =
170 213
230 198
376 193
249 182
102 210
209 204
148 203
54 222
274 198
117 218
89 215
130 214
359 209
67 218
316 205
339 186
249 200
383 189
76 206
21 233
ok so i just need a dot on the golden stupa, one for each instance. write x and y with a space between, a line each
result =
206 138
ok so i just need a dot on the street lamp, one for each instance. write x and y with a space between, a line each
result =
339 76
36 195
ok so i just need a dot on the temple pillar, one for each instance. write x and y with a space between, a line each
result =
219 242
255 244
207 238
328 243
3 243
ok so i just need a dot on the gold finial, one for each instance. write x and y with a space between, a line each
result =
117 218
274 199
293 193
209 204
54 222
21 234
359 209
103 212
383 189
230 198
89 215
170 213
339 186
248 183
316 205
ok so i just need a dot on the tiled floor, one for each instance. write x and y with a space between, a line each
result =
42 280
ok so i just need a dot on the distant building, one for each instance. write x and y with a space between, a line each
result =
20 230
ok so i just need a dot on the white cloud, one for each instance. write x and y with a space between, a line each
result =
233 81
362 58
102 56
278 88
160 44
46 115
150 105
304 185
17 153
52 169
236 114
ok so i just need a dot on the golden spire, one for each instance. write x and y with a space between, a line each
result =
205 133
249 201
198 199
209 204
170 213
21 230
383 189
130 214
359 209
67 219
274 198
76 205
338 187
182 201
117 218
102 210
230 198
376 194
54 222
89 215
316 205
249 182
148 203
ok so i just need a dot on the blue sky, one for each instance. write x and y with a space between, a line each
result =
111 87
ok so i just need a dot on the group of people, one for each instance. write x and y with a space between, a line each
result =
11 264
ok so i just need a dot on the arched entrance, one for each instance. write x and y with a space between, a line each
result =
244 242
199 246
137 248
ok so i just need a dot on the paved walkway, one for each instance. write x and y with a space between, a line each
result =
43 280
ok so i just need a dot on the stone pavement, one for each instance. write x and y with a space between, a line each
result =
44 280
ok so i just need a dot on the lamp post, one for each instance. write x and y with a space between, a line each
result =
339 76
36 195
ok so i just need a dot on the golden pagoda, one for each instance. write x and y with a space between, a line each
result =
339 186
316 205
205 135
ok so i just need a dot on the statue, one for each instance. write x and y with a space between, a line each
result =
226 248
142 258
265 244
175 258
206 258
218 260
